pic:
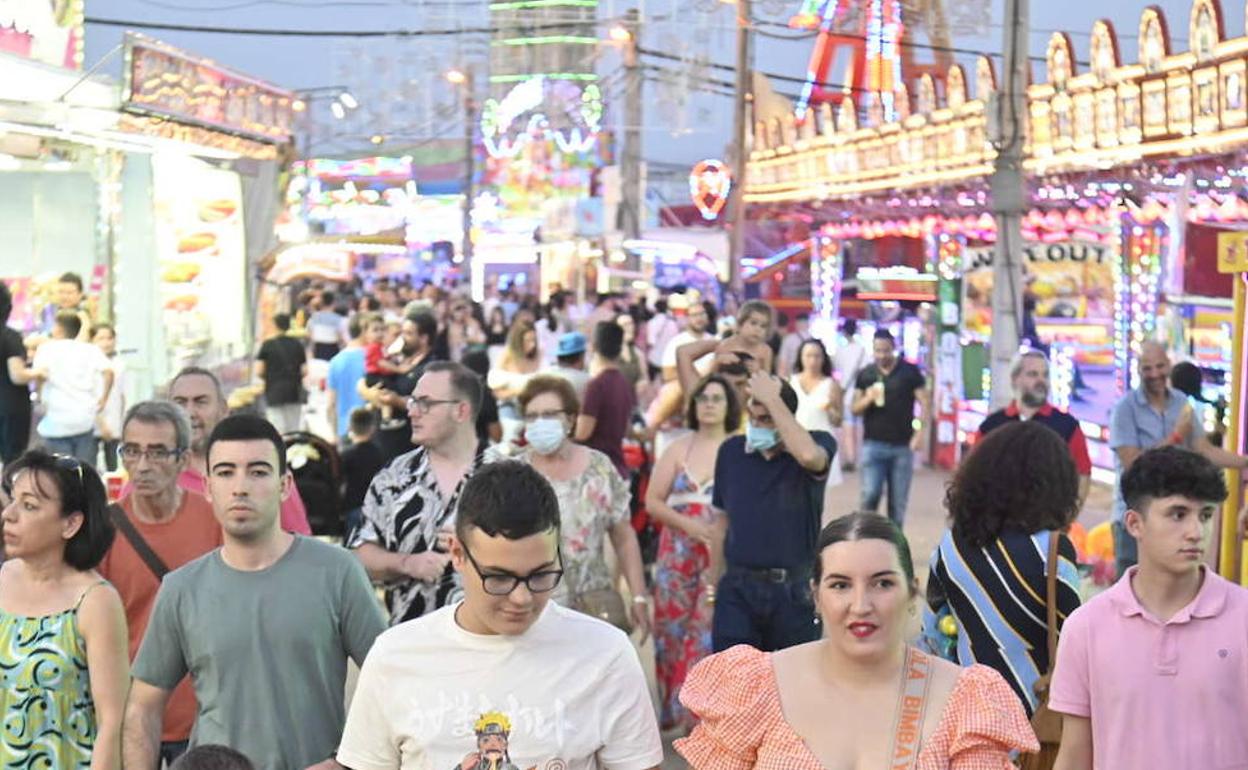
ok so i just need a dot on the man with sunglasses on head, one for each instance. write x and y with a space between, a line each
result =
561 689
161 527
410 505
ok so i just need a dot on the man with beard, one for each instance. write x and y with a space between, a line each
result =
418 333
199 392
1029 376
1155 414
410 506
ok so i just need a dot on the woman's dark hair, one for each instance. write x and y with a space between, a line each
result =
81 491
1021 476
507 498
865 526
6 303
732 418
825 370
1186 378
211 757
1171 472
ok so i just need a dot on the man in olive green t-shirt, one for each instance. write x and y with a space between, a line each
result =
264 625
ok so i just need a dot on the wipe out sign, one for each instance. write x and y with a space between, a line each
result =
709 185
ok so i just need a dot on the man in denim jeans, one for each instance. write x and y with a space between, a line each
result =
769 491
884 397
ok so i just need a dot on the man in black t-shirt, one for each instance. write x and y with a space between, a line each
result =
282 364
15 376
884 396
419 332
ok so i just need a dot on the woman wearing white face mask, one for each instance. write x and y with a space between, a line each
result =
593 506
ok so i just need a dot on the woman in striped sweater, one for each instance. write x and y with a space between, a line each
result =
1017 489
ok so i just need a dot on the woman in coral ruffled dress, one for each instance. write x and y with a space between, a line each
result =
860 697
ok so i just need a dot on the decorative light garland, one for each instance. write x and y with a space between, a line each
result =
710 182
498 117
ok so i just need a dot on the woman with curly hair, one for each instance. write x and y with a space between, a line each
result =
1017 489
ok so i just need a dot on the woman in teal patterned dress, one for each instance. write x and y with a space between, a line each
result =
63 662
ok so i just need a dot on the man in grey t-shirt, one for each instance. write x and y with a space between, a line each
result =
264 625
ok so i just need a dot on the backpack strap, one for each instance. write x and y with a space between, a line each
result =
135 538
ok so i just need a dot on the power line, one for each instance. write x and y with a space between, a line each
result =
271 32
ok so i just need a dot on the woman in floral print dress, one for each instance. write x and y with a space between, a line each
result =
679 497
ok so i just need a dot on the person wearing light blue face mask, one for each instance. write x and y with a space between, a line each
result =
593 501
769 487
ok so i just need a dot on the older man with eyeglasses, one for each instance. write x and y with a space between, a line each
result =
161 526
410 507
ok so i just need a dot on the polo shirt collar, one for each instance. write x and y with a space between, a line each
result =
1209 601
1141 398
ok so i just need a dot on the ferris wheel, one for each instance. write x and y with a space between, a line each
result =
881 38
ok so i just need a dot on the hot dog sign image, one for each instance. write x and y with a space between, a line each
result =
202 253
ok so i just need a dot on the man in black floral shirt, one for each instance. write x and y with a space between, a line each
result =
409 511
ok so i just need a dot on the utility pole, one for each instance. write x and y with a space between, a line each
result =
631 196
1009 201
741 156
470 168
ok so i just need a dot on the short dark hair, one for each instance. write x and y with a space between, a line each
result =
1168 472
327 298
477 360
69 322
355 324
426 323
71 277
97 328
248 427
363 421
803 316
787 395
732 420
850 328
507 498
464 382
885 335
865 526
1018 476
80 490
6 302
782 319
282 322
608 340
212 757
826 369
1186 378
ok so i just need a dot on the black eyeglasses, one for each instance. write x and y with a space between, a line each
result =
156 454
422 405
502 585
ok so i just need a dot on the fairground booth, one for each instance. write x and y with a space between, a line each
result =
1135 169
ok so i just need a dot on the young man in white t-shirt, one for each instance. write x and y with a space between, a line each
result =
506 678
77 379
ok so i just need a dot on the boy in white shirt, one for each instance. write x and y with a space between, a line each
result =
77 380
505 678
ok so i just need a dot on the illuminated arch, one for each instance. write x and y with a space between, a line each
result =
1061 63
1206 30
847 118
926 101
1104 50
985 78
1154 39
955 86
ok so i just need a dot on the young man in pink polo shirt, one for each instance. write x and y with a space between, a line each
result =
1153 673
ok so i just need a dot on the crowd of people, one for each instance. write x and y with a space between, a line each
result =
523 486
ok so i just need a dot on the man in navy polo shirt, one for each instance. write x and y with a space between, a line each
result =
1029 376
769 487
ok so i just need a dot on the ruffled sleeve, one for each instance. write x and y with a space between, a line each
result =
733 695
983 722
